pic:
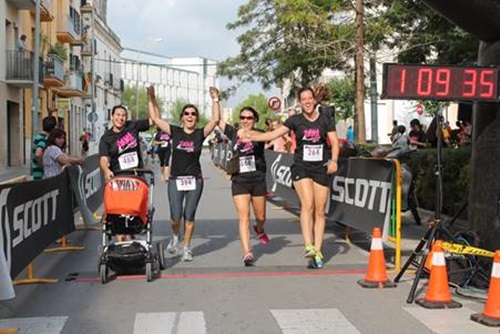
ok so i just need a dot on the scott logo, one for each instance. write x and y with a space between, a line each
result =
280 174
369 194
90 184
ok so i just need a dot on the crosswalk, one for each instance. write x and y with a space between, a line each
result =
289 321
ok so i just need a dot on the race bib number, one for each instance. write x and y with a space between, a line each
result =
128 160
247 164
164 144
313 152
185 183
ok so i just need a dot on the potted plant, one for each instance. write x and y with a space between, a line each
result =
59 51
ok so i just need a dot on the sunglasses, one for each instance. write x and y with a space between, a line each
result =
249 118
186 113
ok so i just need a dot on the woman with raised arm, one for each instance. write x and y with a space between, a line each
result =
249 183
186 179
311 168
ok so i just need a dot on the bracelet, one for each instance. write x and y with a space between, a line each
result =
333 160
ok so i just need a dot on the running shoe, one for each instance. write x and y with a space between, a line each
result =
263 237
173 244
187 254
248 259
318 261
309 251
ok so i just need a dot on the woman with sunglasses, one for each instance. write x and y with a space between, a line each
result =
249 183
186 180
311 168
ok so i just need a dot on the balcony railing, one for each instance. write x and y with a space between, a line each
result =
73 85
47 11
20 66
69 28
54 72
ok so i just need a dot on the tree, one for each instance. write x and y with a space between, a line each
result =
343 95
278 43
129 97
422 35
259 103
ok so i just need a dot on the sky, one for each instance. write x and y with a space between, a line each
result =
188 28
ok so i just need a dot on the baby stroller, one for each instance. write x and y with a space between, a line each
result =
128 209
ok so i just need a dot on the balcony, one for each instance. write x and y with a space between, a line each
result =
73 86
69 29
23 4
47 11
54 72
19 70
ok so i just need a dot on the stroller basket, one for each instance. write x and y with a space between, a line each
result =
126 204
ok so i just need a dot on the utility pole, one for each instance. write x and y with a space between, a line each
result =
374 97
359 120
36 74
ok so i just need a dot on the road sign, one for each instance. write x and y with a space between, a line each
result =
420 108
274 103
92 117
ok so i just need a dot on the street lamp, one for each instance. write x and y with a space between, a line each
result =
139 52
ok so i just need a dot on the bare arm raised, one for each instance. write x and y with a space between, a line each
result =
214 94
154 111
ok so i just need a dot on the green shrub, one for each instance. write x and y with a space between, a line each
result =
455 177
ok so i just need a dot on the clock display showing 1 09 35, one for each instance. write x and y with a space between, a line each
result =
435 82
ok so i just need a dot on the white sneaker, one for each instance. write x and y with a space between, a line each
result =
187 255
172 245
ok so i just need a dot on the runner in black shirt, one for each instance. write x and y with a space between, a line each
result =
162 141
119 147
311 167
186 180
249 183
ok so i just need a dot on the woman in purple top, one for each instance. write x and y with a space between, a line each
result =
54 158
311 168
186 180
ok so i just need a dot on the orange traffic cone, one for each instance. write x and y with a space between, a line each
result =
376 275
491 312
438 294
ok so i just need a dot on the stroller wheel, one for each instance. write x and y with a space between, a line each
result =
149 271
161 255
103 272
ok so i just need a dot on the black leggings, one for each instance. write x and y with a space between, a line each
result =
164 155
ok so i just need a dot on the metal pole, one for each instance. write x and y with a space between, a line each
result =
373 97
93 50
137 88
36 74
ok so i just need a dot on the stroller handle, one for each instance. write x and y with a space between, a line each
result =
138 172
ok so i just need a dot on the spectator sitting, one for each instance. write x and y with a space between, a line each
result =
417 136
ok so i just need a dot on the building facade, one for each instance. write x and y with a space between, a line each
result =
186 79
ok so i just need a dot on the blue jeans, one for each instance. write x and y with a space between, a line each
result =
178 206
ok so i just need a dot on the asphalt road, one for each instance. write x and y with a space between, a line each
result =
216 294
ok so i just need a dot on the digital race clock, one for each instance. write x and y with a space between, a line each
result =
447 83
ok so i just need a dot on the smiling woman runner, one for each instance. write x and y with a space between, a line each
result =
311 167
119 147
186 179
249 183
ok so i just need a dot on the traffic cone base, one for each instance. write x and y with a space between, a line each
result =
491 313
437 305
376 275
485 320
376 285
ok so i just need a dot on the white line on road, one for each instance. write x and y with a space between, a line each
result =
170 323
313 321
38 325
449 321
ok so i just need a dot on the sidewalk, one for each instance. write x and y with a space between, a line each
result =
13 172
